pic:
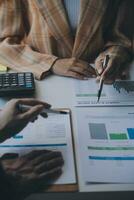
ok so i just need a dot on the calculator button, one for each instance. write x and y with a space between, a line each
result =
28 86
20 74
21 84
28 81
5 85
13 84
28 74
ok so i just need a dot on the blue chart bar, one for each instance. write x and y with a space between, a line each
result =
110 158
18 137
32 145
130 133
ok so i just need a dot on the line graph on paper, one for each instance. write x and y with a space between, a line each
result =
128 86
119 93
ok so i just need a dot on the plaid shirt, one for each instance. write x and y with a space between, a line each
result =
34 33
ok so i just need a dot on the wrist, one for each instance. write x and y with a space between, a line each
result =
53 65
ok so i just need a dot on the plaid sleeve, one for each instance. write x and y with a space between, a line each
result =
14 53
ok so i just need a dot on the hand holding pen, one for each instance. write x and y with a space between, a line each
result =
104 65
17 113
12 120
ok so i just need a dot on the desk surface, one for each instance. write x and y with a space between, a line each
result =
58 91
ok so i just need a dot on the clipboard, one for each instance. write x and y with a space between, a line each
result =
66 187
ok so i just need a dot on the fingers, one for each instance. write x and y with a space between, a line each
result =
33 102
46 164
49 165
77 75
36 153
46 157
32 113
111 72
82 71
34 119
99 64
73 67
85 66
9 156
44 115
50 175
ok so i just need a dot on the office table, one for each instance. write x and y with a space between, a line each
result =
58 91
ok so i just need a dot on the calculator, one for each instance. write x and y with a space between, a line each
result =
16 84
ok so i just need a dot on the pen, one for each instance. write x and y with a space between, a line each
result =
24 108
105 63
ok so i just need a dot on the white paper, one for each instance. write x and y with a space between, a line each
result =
120 93
105 144
53 133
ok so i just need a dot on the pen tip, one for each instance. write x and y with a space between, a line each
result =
98 99
63 112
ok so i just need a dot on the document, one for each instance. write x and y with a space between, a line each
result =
52 133
105 144
119 93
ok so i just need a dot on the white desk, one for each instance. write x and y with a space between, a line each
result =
58 91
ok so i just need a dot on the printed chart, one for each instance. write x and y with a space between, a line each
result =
120 93
106 144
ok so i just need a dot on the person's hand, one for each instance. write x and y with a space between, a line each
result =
117 67
12 120
31 172
73 67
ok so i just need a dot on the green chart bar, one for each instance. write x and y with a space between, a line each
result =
118 136
110 148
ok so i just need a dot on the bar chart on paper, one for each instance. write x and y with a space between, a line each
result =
106 140
98 131
119 93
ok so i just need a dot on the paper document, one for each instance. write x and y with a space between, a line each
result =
120 93
105 138
52 133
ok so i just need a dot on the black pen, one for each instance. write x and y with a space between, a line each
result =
105 63
24 108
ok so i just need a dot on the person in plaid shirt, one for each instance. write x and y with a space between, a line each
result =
40 36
